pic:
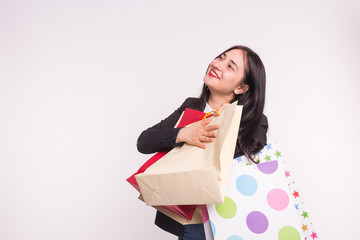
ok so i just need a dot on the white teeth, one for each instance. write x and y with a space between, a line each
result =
214 73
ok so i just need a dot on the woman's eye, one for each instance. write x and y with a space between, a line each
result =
230 67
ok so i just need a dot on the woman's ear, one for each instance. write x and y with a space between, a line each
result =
241 89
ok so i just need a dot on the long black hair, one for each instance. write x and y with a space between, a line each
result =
253 100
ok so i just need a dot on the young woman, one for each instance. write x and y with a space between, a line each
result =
236 74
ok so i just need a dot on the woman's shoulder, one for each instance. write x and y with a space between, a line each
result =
189 102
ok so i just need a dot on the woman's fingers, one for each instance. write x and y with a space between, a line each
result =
198 134
206 121
198 142
201 145
210 128
207 139
210 134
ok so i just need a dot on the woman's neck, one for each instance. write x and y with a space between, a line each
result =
215 101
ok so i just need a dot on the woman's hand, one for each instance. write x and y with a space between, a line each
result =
198 133
201 132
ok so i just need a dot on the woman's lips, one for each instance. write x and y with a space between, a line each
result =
212 73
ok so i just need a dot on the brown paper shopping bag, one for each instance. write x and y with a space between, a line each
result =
191 175
188 116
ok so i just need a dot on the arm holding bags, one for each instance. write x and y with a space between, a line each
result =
191 175
189 116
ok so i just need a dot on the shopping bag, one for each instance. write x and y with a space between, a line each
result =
208 226
261 202
187 211
196 219
191 175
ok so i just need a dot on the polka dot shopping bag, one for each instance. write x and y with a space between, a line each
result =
262 202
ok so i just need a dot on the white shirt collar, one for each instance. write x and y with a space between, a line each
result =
208 108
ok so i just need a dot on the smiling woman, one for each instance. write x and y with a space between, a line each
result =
237 74
225 74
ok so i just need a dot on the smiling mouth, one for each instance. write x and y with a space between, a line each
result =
212 73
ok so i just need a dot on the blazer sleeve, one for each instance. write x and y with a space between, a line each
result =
162 136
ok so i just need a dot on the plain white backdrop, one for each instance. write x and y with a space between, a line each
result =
80 80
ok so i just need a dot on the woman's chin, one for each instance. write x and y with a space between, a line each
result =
209 80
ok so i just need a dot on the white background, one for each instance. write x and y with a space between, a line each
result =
80 80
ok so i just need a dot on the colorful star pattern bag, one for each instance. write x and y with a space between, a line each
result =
262 202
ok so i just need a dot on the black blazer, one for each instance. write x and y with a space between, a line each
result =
162 137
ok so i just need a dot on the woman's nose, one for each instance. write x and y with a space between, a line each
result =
217 65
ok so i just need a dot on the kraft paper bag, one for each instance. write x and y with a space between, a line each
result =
261 202
188 116
191 175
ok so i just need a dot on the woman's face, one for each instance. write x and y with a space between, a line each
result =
225 74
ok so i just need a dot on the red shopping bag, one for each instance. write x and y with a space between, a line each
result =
189 116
